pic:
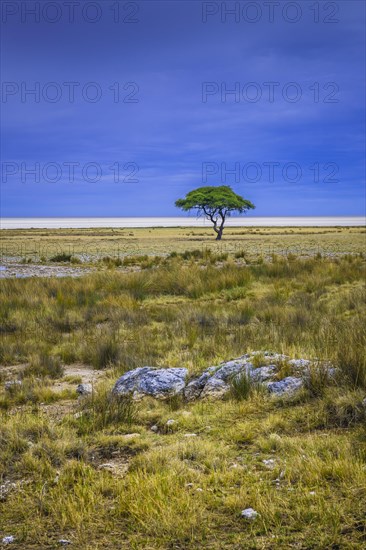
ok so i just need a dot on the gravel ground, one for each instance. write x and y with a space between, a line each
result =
16 270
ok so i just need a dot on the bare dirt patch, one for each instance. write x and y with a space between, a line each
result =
82 374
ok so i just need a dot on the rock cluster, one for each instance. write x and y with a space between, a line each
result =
215 382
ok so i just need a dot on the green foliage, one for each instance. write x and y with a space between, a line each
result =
216 203
214 199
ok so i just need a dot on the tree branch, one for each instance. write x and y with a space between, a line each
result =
210 216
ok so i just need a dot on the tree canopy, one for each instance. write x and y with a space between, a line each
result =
216 203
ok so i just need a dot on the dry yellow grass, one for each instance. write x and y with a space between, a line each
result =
94 243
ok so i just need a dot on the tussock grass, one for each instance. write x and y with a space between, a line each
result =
44 365
102 409
105 353
347 357
61 257
32 391
242 386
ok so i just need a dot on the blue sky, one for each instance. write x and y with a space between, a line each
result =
297 152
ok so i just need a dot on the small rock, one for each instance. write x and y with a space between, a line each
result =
214 382
170 422
271 356
312 493
10 385
229 369
249 514
64 542
287 386
263 373
190 435
299 364
8 540
270 463
332 372
199 490
154 428
194 388
215 388
84 389
6 488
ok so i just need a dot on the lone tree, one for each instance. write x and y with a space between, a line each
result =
216 203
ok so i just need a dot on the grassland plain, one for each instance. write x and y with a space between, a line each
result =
91 244
91 470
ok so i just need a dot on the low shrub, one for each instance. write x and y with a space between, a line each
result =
43 366
317 379
62 257
103 353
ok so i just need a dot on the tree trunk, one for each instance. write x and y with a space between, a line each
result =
219 234
220 230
